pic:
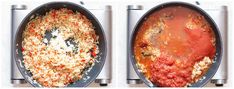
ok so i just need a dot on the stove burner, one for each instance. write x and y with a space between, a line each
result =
103 14
219 15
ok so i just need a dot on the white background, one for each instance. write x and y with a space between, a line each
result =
119 8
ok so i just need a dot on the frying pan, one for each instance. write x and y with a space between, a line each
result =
42 10
219 48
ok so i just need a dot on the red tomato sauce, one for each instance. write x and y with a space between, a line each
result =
183 36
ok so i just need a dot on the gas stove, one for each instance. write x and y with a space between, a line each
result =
102 13
217 13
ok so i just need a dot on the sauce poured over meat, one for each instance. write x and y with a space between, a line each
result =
171 44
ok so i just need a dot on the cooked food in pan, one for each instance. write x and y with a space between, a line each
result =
174 46
59 47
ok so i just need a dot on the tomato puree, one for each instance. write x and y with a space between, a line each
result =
169 43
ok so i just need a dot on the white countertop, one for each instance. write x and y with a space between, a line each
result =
119 39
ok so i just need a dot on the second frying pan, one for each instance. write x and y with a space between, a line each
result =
213 68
